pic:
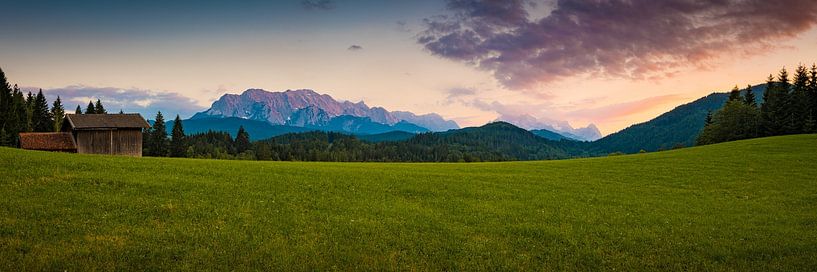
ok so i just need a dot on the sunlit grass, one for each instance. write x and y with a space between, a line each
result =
748 205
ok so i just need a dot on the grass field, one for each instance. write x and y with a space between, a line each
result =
748 205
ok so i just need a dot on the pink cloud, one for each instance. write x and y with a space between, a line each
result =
635 39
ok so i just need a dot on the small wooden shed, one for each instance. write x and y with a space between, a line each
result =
115 134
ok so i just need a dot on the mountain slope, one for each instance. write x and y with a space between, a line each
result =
679 126
392 136
550 135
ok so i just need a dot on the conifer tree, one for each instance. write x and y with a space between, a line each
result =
798 108
78 110
159 137
99 109
5 107
749 97
41 119
773 109
18 118
29 111
178 146
734 95
90 109
29 98
812 100
58 112
242 140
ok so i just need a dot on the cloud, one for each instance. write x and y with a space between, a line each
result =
615 112
402 26
355 47
635 39
317 4
145 102
460 92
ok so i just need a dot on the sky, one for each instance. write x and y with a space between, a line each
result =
532 62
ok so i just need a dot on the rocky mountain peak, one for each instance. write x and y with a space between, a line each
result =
306 107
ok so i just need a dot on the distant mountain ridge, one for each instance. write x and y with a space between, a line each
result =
526 121
307 108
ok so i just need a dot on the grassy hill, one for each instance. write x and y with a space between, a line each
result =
747 205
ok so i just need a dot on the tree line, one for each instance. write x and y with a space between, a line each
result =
493 142
788 107
21 112
212 144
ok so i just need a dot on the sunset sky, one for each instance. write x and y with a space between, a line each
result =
611 63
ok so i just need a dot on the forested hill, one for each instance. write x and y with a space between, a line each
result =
678 127
497 141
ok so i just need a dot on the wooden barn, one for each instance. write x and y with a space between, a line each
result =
114 134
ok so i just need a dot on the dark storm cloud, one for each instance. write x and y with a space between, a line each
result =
318 4
129 100
355 47
635 39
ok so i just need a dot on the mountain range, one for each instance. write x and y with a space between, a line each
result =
308 109
269 114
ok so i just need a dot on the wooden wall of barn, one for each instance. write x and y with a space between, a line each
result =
115 142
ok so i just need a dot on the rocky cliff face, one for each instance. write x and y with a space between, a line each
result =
307 108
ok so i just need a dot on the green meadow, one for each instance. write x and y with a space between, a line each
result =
746 205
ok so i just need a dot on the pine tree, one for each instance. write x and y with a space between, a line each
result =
17 121
798 107
773 110
705 136
734 95
159 137
90 109
41 119
178 146
29 111
749 97
812 100
783 80
78 110
121 111
242 140
5 108
99 109
29 98
58 112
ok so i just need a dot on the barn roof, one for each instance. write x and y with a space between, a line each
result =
125 120
47 141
